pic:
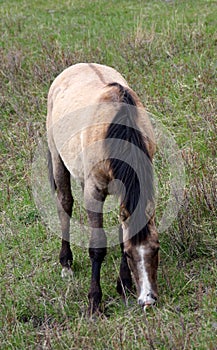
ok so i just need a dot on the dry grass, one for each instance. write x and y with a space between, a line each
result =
168 50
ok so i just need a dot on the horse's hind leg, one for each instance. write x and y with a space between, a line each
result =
61 177
124 281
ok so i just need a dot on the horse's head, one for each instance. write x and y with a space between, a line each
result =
142 255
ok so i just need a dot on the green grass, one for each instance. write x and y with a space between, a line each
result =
167 52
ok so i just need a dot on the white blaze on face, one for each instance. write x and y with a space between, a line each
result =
145 296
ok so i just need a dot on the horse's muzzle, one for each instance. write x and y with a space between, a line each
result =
150 300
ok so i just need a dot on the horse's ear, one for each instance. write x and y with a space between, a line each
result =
124 214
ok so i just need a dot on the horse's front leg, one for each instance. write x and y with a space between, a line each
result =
95 293
124 282
97 248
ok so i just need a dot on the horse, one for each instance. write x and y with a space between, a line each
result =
99 133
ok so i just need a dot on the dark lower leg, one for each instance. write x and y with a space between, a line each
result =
124 281
65 256
94 200
95 294
64 206
97 252
65 203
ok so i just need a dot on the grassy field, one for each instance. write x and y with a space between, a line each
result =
167 52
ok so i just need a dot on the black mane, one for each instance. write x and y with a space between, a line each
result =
131 165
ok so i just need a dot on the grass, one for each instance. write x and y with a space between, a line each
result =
167 52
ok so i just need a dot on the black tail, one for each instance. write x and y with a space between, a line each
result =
132 164
50 172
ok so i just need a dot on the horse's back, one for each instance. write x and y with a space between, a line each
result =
79 86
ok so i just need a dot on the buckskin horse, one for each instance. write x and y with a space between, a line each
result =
99 133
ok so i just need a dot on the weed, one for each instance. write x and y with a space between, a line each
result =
167 52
